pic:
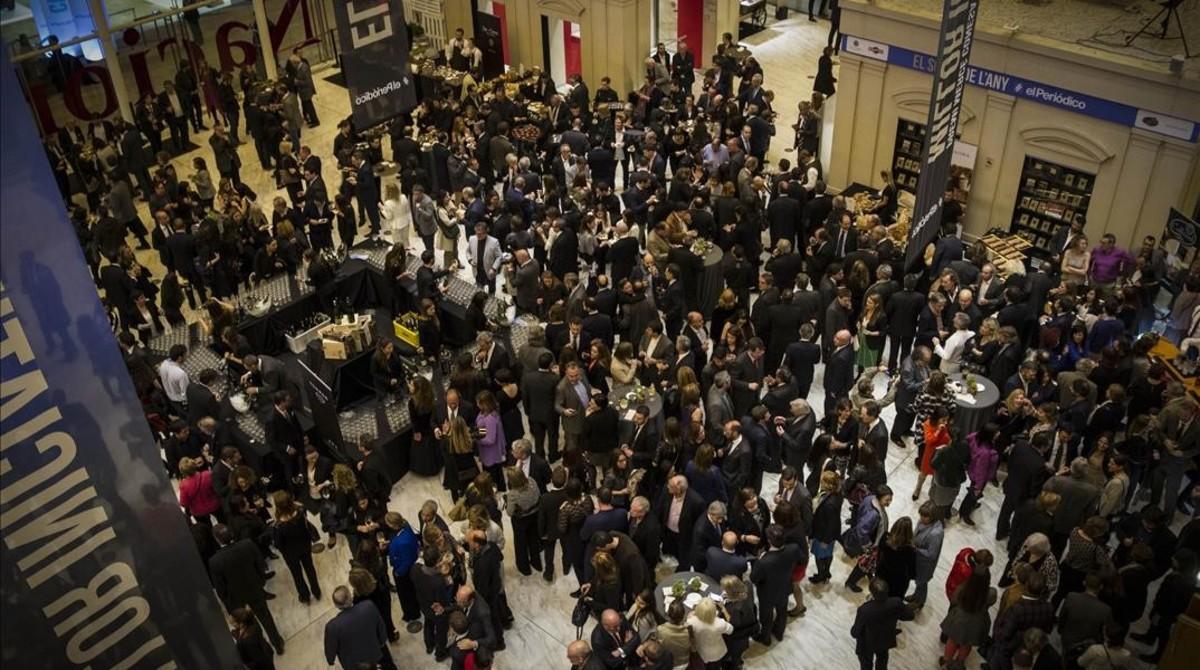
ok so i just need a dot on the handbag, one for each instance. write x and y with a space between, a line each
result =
868 561
580 615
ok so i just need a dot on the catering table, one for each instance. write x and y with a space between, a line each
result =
1166 352
712 281
973 413
616 396
854 189
663 595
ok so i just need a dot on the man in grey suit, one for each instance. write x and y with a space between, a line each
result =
523 276
719 407
570 403
483 251
425 218
1066 383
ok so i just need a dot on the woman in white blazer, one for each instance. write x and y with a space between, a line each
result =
395 214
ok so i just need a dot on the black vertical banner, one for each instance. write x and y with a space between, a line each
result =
945 103
374 43
487 38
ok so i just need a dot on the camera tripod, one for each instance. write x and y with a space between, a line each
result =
1171 9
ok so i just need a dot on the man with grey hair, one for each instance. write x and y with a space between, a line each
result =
839 370
645 532
356 636
533 466
678 511
719 407
1079 497
1066 383
490 355
795 434
707 533
952 350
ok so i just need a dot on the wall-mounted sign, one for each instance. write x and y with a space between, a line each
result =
1046 94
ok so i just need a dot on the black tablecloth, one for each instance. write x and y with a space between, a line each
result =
970 417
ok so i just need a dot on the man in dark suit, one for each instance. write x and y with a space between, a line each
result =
645 531
551 500
1027 471
644 442
614 641
599 325
674 301
490 355
724 559
838 317
677 509
948 248
747 374
623 253
239 575
801 358
795 434
535 467
487 567
480 632
876 624
784 218
366 189
816 211
785 320
285 438
524 277
844 236
201 400
707 531
772 579
450 407
839 370
1007 359
537 394
570 402
874 432
784 263
356 637
428 278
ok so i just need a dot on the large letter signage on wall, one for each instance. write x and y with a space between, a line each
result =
945 103
99 567
374 42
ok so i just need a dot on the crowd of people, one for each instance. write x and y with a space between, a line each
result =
596 225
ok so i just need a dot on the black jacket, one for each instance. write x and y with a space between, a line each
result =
772 574
238 573
839 372
902 310
874 628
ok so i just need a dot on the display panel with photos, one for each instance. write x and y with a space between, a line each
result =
1049 196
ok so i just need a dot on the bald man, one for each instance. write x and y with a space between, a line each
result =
579 653
839 370
614 641
725 559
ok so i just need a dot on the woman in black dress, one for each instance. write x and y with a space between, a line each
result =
293 539
429 331
898 558
423 459
367 559
598 360
347 223
824 81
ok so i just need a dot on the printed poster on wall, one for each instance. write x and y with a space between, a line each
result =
945 104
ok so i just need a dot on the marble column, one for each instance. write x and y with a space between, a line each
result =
837 171
1137 167
982 206
866 123
1165 188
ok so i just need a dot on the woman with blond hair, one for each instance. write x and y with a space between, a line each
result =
293 537
395 214
603 592
826 524
709 631
462 465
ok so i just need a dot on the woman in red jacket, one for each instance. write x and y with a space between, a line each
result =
196 493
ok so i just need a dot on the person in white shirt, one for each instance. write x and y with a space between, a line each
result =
395 214
174 378
709 631
951 351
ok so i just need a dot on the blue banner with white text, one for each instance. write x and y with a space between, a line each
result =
99 567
